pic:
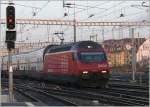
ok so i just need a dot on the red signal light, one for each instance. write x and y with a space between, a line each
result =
10 15
10 20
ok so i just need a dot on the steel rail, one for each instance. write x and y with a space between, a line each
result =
122 94
135 99
102 97
95 96
129 86
105 99
22 91
65 101
23 88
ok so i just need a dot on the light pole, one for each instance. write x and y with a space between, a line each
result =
0 67
74 26
74 20
149 35
103 35
133 54
10 63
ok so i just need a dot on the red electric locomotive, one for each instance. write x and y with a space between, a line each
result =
82 62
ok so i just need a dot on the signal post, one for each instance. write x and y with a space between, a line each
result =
10 41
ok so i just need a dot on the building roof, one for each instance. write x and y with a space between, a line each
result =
122 43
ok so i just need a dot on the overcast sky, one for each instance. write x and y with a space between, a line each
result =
84 11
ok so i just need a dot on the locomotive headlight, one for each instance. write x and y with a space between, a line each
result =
104 71
85 72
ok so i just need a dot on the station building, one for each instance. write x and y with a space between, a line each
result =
119 52
143 54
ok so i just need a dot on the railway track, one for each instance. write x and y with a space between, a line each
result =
106 93
107 96
133 92
128 85
27 95
45 97
66 97
140 79
88 96
130 96
40 96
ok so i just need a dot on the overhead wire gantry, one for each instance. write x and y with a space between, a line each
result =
78 23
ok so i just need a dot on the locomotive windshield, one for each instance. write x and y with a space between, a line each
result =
92 57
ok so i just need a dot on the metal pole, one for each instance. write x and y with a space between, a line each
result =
140 73
63 3
115 56
74 24
133 54
10 78
149 37
0 67
74 30
103 35
96 37
10 1
112 32
10 72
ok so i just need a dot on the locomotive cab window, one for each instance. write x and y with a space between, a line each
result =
92 57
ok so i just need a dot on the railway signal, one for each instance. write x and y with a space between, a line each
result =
10 16
10 39
10 36
10 45
10 22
